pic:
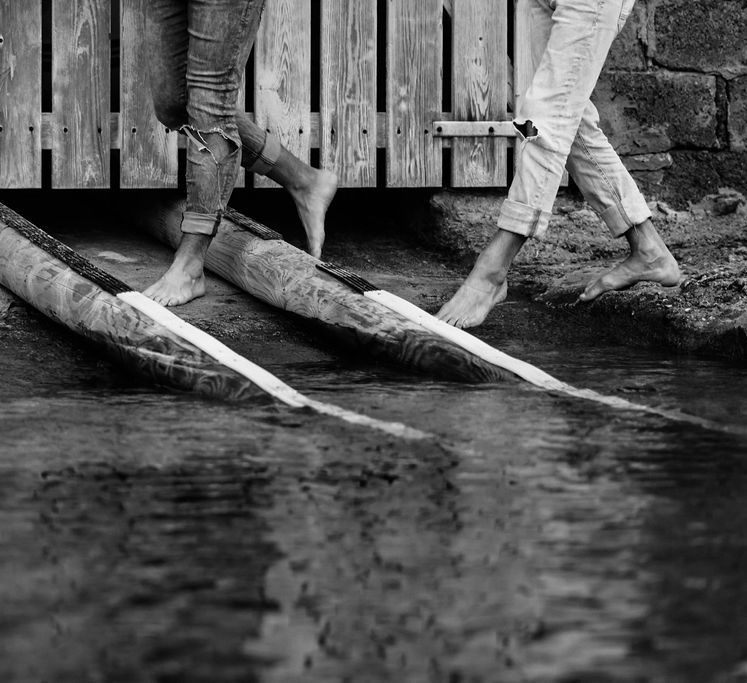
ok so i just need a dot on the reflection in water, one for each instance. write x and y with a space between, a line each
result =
151 537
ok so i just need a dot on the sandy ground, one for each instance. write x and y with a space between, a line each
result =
707 313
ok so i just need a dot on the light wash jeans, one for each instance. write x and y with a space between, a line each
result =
197 52
559 126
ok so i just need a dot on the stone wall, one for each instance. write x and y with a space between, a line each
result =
673 97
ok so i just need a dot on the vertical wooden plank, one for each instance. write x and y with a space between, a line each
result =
81 97
148 156
523 68
480 59
20 93
414 92
282 58
348 91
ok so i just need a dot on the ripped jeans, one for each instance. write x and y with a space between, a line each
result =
558 125
197 52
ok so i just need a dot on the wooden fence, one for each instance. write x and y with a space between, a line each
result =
412 77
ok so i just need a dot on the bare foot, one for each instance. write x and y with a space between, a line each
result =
649 261
486 285
312 201
176 287
471 304
184 280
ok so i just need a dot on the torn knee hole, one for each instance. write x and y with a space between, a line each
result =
527 130
205 140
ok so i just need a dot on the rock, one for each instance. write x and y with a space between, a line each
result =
648 162
644 113
738 114
709 36
696 174
7 301
628 50
723 203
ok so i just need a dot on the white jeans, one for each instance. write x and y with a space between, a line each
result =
570 42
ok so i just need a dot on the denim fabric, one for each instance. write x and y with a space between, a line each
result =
197 52
570 41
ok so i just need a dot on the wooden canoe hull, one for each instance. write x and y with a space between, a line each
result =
50 286
286 277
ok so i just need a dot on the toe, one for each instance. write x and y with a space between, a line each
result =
594 290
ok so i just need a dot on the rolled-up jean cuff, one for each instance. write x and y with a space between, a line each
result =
268 157
523 219
194 223
630 211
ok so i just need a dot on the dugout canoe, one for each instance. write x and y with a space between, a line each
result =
257 260
32 267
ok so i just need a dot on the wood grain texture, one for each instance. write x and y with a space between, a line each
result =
282 59
414 92
287 278
480 61
20 93
147 347
148 153
348 91
523 61
81 93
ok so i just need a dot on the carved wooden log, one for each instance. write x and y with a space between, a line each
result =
53 288
286 277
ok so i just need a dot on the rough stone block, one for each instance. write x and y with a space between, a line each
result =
628 51
648 162
644 113
703 35
693 175
738 114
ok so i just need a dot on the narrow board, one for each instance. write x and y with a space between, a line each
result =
414 92
348 91
81 95
286 277
480 63
20 93
148 153
282 59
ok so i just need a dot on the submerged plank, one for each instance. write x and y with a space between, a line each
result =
288 278
56 290
480 59
81 98
20 93
348 91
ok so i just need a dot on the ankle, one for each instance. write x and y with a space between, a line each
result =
486 279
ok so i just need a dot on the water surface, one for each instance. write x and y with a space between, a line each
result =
150 536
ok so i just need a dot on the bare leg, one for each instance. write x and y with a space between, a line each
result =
649 260
312 191
486 285
184 280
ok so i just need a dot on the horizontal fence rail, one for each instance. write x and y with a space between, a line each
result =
341 79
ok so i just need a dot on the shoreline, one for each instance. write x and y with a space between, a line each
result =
706 314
